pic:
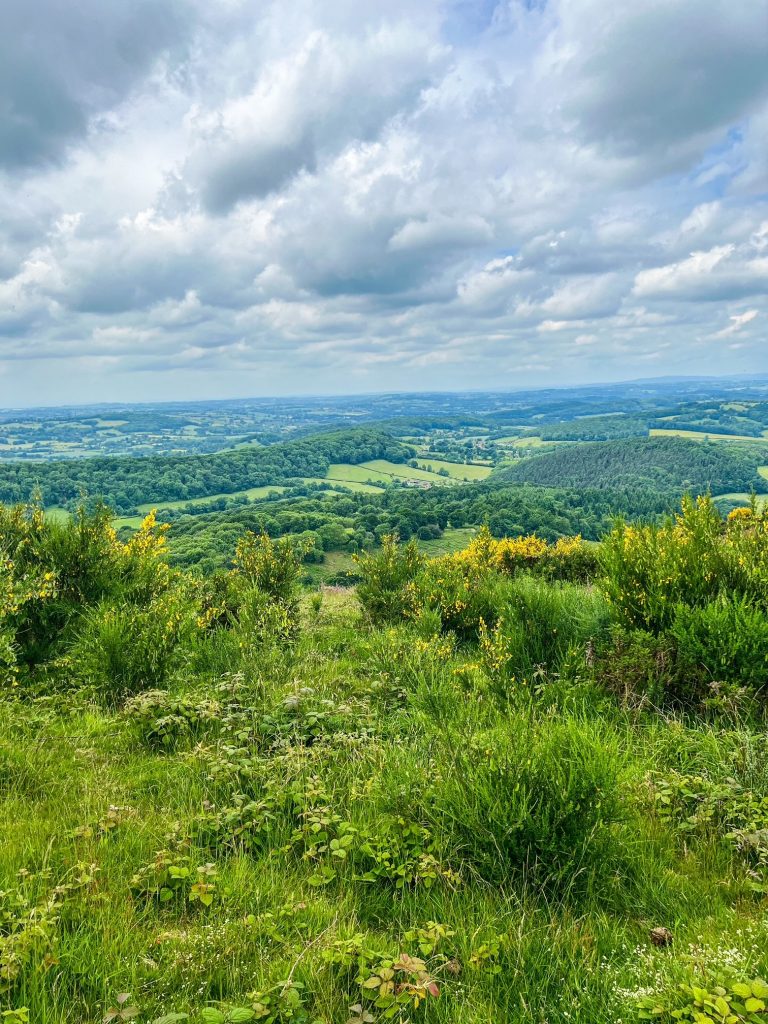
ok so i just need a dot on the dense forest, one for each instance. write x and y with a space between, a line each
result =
660 463
126 482
356 521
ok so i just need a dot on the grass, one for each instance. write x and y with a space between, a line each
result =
702 435
398 471
742 498
253 494
397 723
284 821
459 471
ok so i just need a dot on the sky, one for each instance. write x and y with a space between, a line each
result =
224 198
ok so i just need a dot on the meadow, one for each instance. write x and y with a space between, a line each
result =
518 781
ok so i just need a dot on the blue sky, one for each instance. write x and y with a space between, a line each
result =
212 198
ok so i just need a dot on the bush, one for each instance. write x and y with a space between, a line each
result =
460 595
693 559
535 797
724 641
637 665
538 624
166 720
384 576
121 649
274 566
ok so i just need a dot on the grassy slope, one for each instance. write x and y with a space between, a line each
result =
457 470
396 718
702 435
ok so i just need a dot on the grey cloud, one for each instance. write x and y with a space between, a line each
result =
339 195
659 75
60 63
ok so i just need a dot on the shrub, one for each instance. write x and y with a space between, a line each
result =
384 576
122 649
166 720
459 594
649 570
567 559
726 640
273 566
636 665
538 624
535 797
69 566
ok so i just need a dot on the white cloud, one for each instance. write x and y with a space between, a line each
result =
293 197
738 321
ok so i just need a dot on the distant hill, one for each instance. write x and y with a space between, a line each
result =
126 481
659 463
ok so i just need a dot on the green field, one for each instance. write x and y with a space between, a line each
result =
253 494
528 442
456 470
355 477
397 471
742 498
701 435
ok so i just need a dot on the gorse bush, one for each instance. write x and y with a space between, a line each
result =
538 624
461 595
569 558
384 576
63 568
649 570
123 649
272 566
636 665
725 640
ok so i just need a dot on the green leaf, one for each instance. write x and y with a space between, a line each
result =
759 989
210 1015
753 1005
238 1014
171 1018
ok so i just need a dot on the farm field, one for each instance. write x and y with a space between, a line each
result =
515 441
743 498
701 435
253 494
457 470
397 471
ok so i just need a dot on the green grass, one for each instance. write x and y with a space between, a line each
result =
459 471
701 435
399 471
514 441
355 792
414 731
742 498
253 494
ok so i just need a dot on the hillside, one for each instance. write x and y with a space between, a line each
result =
126 482
660 463
499 785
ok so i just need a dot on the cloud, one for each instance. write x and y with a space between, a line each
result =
61 65
221 197
738 321
722 272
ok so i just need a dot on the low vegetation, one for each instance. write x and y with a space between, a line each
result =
525 781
